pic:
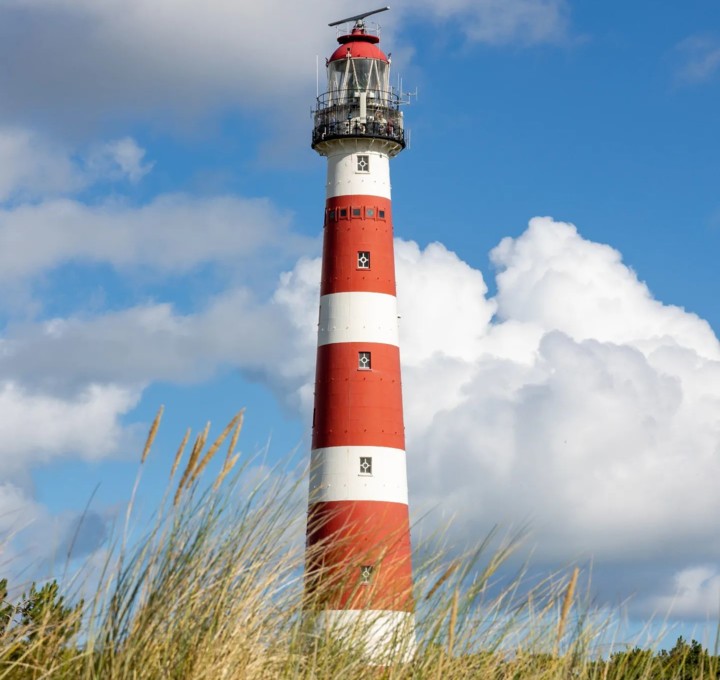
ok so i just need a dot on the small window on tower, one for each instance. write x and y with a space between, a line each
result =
366 572
381 214
331 214
365 465
357 212
363 259
364 362
363 163
343 212
369 212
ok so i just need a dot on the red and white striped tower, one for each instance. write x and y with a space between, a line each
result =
358 537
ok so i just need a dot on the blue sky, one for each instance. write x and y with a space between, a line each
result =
160 218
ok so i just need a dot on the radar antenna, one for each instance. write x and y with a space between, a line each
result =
359 17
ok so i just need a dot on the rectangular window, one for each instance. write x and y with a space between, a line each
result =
363 163
369 212
357 212
363 259
381 214
343 212
331 214
364 361
365 465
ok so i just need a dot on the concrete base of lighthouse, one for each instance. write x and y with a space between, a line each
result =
381 637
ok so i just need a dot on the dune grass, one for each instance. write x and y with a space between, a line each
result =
214 590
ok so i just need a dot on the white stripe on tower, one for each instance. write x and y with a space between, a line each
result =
384 480
343 179
358 317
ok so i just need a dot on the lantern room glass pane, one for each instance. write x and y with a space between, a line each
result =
348 77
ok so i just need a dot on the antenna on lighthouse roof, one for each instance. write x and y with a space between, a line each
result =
359 17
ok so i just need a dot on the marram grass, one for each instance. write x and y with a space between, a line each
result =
214 591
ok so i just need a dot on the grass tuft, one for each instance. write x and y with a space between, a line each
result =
214 591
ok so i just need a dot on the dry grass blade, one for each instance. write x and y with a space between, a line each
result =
444 577
194 455
236 421
230 460
567 604
151 434
227 468
453 622
180 451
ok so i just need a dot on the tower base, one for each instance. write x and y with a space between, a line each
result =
383 638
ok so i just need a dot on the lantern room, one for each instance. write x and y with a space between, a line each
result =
358 66
359 101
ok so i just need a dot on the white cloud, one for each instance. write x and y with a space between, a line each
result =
36 427
700 55
31 166
500 22
122 158
172 234
146 343
551 277
135 56
34 543
695 594
585 406
17 511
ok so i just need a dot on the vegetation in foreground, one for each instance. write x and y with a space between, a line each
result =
214 590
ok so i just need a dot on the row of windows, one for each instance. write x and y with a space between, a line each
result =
350 213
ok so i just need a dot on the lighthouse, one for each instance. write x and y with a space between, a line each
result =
359 572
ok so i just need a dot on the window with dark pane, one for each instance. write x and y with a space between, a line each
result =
363 259
343 212
357 212
363 163
365 465
366 572
331 214
381 214
364 361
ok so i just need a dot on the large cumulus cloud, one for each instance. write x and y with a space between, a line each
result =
572 400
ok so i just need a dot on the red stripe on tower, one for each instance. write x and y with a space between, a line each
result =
358 536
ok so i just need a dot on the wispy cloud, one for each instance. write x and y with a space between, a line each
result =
503 22
700 59
121 159
34 167
172 233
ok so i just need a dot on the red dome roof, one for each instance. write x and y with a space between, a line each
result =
359 45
